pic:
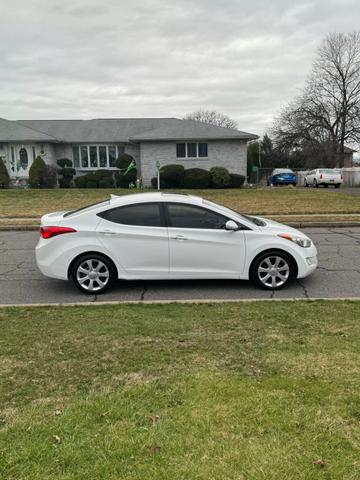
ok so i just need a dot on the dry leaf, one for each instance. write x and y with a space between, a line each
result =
58 410
155 419
319 462
153 450
56 439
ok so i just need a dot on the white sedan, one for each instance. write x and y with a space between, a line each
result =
323 176
169 236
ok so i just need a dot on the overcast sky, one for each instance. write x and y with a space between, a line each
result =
143 58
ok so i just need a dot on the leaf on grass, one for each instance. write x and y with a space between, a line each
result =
56 439
155 419
58 410
319 462
153 450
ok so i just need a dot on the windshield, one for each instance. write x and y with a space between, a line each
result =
229 211
88 208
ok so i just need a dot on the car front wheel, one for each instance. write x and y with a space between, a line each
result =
272 270
93 274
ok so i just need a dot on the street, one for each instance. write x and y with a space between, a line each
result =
338 275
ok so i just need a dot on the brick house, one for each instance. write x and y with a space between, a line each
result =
96 144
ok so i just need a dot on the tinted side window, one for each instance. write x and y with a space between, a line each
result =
144 214
189 216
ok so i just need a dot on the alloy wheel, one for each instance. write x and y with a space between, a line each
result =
273 271
92 275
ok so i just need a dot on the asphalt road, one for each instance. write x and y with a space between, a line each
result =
337 276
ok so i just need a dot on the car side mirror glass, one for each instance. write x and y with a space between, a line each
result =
231 226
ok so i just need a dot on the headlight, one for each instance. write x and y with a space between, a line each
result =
301 241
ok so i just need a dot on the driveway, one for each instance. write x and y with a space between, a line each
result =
337 276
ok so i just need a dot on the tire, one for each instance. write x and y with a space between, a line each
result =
316 185
326 185
93 273
272 270
337 185
306 184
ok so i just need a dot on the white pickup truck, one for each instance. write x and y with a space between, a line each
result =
323 176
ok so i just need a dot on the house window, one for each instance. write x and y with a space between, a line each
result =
203 149
112 156
93 156
96 156
180 150
24 160
191 150
102 156
76 157
84 157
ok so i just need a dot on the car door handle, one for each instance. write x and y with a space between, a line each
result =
178 237
107 232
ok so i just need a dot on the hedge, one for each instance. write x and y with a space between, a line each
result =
4 175
220 177
237 181
37 173
197 178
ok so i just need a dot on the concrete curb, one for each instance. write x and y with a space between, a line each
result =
169 302
27 228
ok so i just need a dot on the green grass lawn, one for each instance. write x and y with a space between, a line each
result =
210 391
266 201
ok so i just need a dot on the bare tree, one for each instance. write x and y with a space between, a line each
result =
326 115
212 117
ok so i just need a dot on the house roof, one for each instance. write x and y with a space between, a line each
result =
115 130
175 129
15 132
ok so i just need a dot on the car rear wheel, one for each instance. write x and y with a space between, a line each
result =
306 183
93 274
316 185
337 185
272 270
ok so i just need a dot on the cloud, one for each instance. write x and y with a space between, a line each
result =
85 59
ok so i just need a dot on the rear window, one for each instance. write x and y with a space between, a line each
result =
88 208
282 170
328 170
141 214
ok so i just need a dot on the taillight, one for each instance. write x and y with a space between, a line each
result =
320 175
49 232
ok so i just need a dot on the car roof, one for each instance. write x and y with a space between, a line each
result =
154 197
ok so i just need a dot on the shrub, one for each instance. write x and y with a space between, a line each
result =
80 182
106 182
4 175
91 183
123 179
237 181
50 178
66 172
172 176
220 177
98 179
154 182
197 178
37 173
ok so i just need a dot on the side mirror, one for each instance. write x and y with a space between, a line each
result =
231 226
